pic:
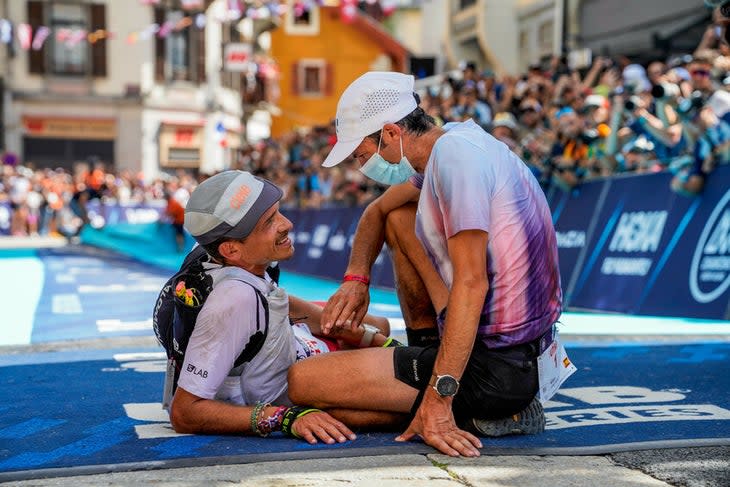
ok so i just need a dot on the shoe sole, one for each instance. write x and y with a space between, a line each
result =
529 421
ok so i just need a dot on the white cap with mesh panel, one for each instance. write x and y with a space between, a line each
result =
371 101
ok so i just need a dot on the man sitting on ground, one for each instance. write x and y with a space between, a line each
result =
235 217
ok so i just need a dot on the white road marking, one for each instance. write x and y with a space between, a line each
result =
113 325
119 288
66 304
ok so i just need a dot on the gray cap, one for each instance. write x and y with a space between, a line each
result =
228 204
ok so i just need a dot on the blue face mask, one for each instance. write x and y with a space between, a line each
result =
385 172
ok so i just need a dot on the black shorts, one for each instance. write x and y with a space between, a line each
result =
496 382
178 228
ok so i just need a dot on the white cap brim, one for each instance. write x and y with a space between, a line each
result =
340 152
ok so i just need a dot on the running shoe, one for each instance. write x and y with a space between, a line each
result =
529 421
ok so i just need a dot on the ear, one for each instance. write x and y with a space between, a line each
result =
391 133
228 250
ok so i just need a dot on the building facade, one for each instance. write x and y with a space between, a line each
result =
139 85
319 54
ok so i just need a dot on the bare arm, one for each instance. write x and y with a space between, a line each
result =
311 313
434 420
593 73
192 414
350 302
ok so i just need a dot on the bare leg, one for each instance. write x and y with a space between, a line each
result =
365 420
361 379
420 289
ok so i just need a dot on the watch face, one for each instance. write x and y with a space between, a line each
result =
447 385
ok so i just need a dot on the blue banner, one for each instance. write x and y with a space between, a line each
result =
572 215
323 241
657 252
692 277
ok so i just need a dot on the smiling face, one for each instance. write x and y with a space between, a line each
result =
268 242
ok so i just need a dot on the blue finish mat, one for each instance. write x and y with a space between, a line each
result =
88 412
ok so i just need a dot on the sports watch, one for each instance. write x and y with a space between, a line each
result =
444 385
367 337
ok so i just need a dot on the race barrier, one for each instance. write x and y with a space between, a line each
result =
627 244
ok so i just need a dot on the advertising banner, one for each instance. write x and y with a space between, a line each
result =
693 274
657 252
323 241
572 215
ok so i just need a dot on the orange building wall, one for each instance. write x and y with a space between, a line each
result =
350 52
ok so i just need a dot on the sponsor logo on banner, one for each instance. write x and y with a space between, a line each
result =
709 274
572 239
141 215
636 232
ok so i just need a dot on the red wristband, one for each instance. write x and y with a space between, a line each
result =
354 277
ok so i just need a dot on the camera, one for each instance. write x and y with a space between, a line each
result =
665 90
688 107
632 103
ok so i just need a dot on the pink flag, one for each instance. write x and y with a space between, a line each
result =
40 37
25 35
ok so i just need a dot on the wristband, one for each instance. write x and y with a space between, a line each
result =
392 342
291 415
272 423
257 409
354 277
368 335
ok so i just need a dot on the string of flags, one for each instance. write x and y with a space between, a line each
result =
234 10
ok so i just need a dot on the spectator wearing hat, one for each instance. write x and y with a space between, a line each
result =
570 154
235 217
504 129
537 139
482 242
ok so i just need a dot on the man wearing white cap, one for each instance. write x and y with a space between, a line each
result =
480 251
235 217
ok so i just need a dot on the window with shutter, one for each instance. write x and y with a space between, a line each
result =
311 77
295 78
98 49
70 51
159 47
199 37
36 59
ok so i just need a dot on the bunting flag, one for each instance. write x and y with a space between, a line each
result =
6 31
388 6
25 34
348 10
165 29
233 11
40 37
98 35
200 21
192 4
76 37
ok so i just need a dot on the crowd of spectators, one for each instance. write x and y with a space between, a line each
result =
568 125
614 117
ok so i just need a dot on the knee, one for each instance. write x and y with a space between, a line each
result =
296 379
399 221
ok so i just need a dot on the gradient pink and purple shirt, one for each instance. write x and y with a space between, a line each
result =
474 182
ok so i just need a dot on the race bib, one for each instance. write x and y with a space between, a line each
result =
553 368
